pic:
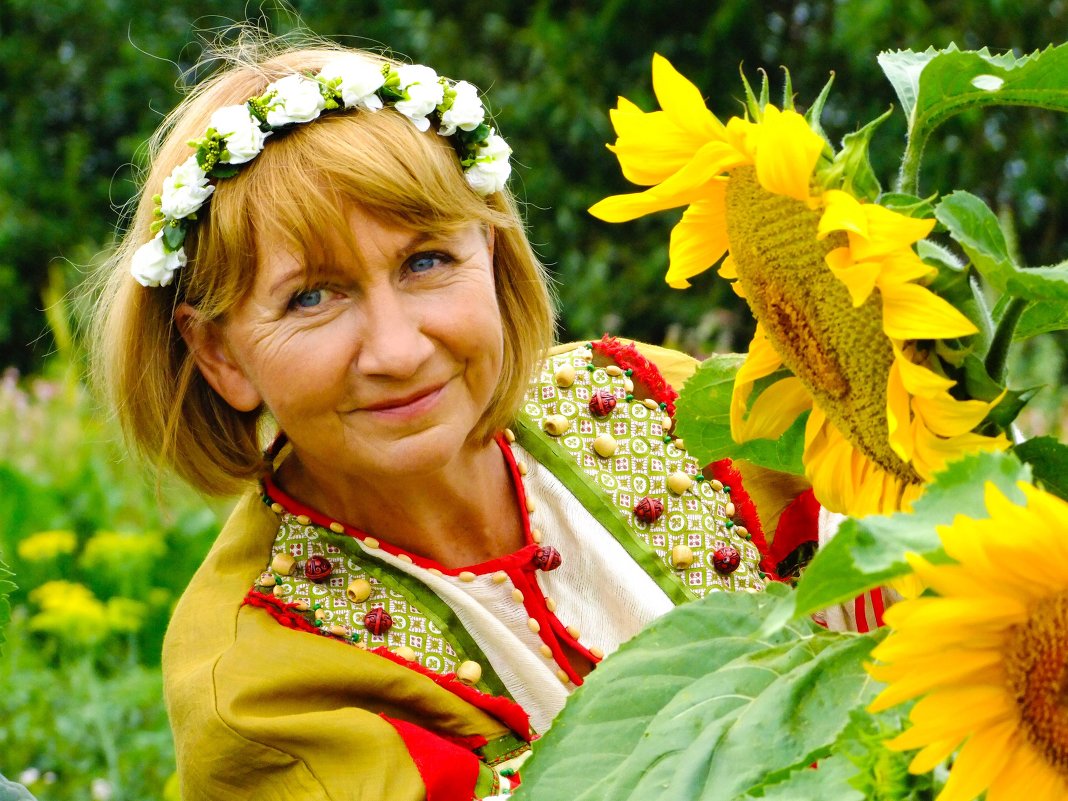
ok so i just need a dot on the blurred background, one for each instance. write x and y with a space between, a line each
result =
101 549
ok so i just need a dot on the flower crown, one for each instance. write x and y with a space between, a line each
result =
236 135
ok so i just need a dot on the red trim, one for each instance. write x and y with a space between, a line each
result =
281 611
877 606
449 771
860 612
725 472
628 357
798 524
503 709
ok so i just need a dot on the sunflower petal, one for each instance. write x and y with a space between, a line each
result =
842 212
699 239
682 101
787 152
979 761
912 312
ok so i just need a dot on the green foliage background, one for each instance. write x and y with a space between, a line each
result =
83 82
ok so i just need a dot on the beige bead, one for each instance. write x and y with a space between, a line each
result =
565 376
466 575
337 528
666 423
550 604
605 445
614 369
534 625
469 672
338 631
500 577
716 484
651 404
679 482
679 444
283 564
597 653
303 519
434 571
681 556
371 542
405 558
535 534
628 386
556 424
280 590
729 510
301 606
530 506
358 591
404 652
321 614
522 468
741 531
509 435
277 508
517 596
574 632
546 651
266 579
563 677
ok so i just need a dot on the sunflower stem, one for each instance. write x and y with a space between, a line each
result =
997 356
908 180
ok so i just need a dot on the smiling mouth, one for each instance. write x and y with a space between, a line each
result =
408 406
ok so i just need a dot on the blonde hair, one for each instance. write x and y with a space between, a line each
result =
298 185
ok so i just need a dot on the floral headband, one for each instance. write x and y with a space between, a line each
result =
236 135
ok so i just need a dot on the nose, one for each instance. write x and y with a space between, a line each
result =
393 343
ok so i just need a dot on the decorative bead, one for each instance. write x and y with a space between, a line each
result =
628 385
371 542
596 653
550 604
728 523
681 557
726 560
605 445
680 444
591 367
534 625
727 488
562 676
321 614
522 468
283 564
742 531
630 397
729 510
716 484
535 535
589 346
303 519
662 405
279 590
301 606
628 372
565 376
338 631
405 558
556 424
469 672
679 482
666 422
500 577
699 477
614 370
530 506
667 438
378 621
546 651
648 510
358 591
517 596
266 579
649 403
318 568
434 571
337 528
602 403
466 575
509 435
546 558
404 652
574 632
277 508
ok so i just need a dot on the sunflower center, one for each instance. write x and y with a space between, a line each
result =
1036 665
838 351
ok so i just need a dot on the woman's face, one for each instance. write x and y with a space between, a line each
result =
384 366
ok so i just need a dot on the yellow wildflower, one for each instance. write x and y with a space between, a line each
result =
47 545
988 655
832 282
69 611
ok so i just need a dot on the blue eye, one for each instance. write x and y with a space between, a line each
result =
309 299
423 262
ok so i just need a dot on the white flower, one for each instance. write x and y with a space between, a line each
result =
153 265
244 139
466 111
101 790
185 190
360 79
491 169
424 90
298 99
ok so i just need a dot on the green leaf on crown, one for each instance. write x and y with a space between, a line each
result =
869 551
851 170
173 235
702 415
701 706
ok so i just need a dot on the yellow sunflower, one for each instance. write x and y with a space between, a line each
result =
831 280
988 656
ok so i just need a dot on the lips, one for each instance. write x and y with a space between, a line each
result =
413 403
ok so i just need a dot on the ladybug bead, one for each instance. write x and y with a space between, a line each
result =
648 510
726 560
546 558
602 403
378 621
318 568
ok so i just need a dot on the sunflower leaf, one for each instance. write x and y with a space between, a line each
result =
1049 460
830 779
1041 318
867 552
703 420
704 693
851 170
977 230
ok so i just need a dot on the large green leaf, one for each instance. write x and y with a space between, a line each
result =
1048 458
976 228
1042 317
700 706
829 780
868 551
703 421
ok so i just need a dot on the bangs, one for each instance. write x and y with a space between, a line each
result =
299 187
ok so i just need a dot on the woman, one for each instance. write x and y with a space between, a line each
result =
451 528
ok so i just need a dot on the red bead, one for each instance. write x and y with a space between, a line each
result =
602 403
546 558
378 621
648 510
318 568
726 560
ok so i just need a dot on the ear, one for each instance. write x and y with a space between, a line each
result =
207 342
